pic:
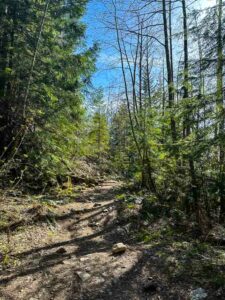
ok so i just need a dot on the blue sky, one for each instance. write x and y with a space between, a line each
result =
106 75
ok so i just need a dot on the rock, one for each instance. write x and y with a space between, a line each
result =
84 276
97 205
119 248
198 294
138 200
61 251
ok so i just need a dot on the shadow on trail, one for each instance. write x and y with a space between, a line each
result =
36 261
97 196
122 287
128 285
42 260
39 263
99 210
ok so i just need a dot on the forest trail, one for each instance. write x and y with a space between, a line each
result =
71 258
77 262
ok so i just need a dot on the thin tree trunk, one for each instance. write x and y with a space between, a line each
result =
220 108
126 87
169 71
140 149
171 38
140 70
194 185
148 76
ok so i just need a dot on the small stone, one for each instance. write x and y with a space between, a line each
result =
119 248
84 275
138 200
97 205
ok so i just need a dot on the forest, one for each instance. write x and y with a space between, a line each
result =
112 149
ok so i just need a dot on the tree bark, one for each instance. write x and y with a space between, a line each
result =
220 108
169 71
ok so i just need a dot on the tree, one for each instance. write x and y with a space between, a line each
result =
44 67
99 131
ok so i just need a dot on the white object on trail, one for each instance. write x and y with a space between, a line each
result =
119 248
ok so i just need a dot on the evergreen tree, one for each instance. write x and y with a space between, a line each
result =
44 66
99 131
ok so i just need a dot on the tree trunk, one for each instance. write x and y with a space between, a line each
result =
187 129
169 71
220 109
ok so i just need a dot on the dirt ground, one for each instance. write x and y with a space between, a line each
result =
72 258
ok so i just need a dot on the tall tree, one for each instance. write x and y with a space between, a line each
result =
169 64
43 67
220 106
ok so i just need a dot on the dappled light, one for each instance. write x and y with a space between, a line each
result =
112 150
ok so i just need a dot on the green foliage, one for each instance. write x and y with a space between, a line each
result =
99 135
97 142
45 65
147 237
122 148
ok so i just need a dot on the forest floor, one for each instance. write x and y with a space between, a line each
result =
62 249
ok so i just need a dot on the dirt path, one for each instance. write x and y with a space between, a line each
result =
73 260
78 263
